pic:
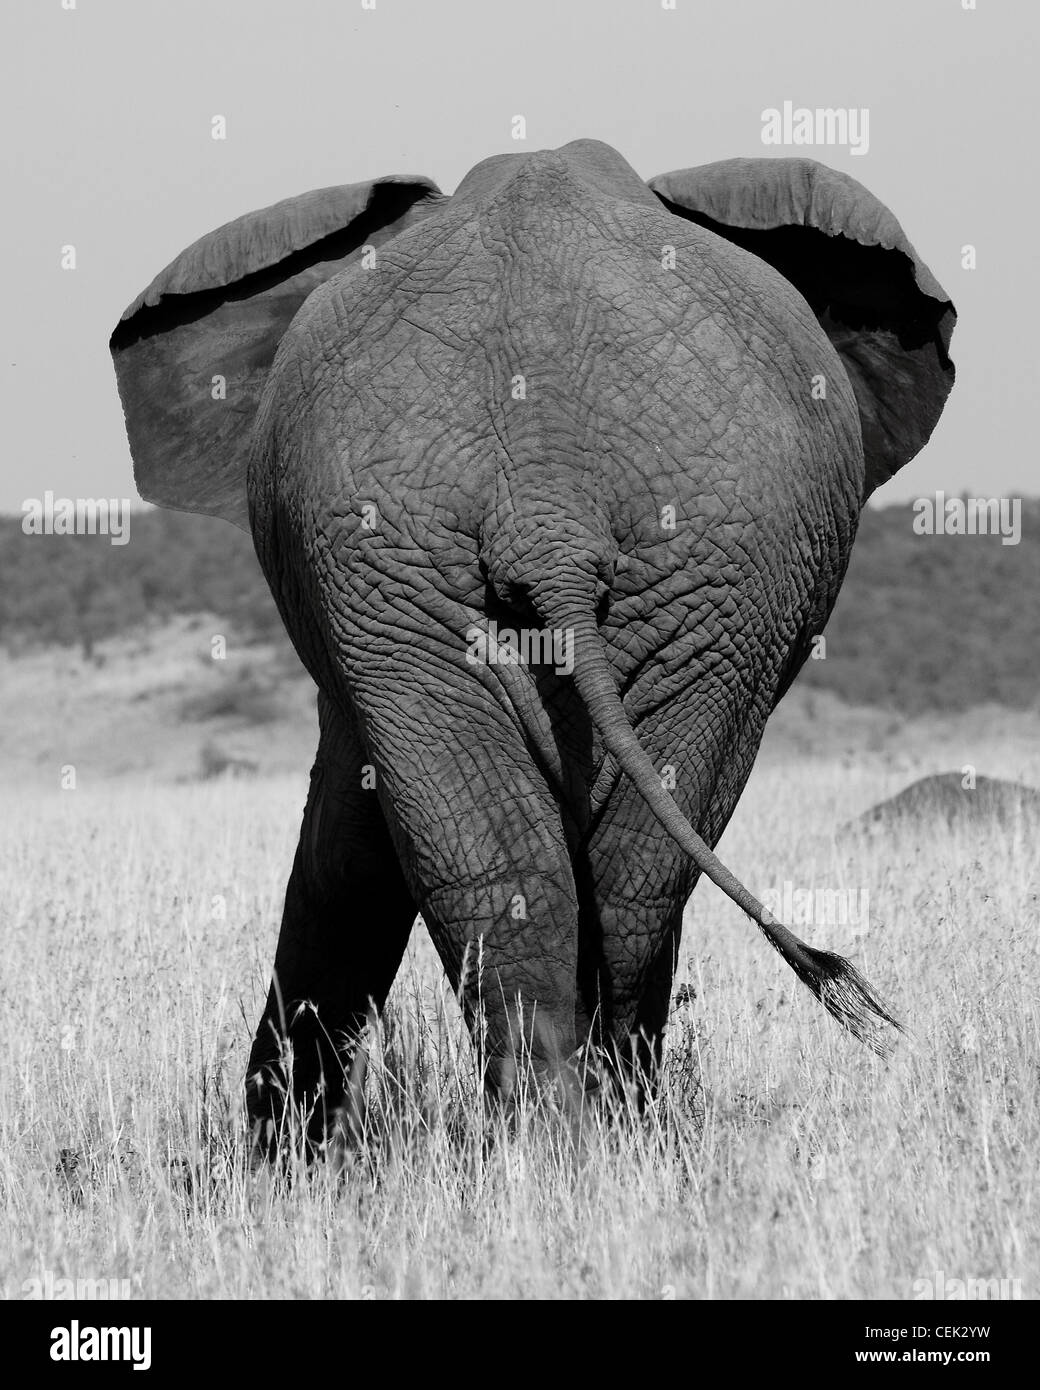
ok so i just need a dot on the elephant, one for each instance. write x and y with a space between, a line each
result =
554 481
944 801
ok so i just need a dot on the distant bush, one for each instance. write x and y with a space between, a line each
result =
935 622
244 697
922 623
78 590
215 762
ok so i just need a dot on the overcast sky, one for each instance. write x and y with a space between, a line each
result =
107 146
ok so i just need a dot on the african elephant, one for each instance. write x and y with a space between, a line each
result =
554 481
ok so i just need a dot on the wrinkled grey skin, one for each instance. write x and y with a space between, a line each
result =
492 423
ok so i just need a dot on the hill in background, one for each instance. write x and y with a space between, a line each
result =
935 622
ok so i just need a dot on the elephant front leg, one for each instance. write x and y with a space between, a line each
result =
345 925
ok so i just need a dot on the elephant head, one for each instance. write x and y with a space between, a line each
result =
562 403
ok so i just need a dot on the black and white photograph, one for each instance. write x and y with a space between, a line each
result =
520 669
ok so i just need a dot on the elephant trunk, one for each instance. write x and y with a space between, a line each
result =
837 984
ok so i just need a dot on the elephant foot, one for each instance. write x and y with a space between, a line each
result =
301 1093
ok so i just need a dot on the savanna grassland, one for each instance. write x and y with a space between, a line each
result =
782 1160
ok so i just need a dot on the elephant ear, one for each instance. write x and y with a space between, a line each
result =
193 351
877 301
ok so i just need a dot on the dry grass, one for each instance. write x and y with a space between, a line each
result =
782 1161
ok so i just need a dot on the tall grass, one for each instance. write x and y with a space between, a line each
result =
781 1160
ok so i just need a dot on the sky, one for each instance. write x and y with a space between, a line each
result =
107 109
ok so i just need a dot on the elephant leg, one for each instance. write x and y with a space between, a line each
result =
347 917
480 836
